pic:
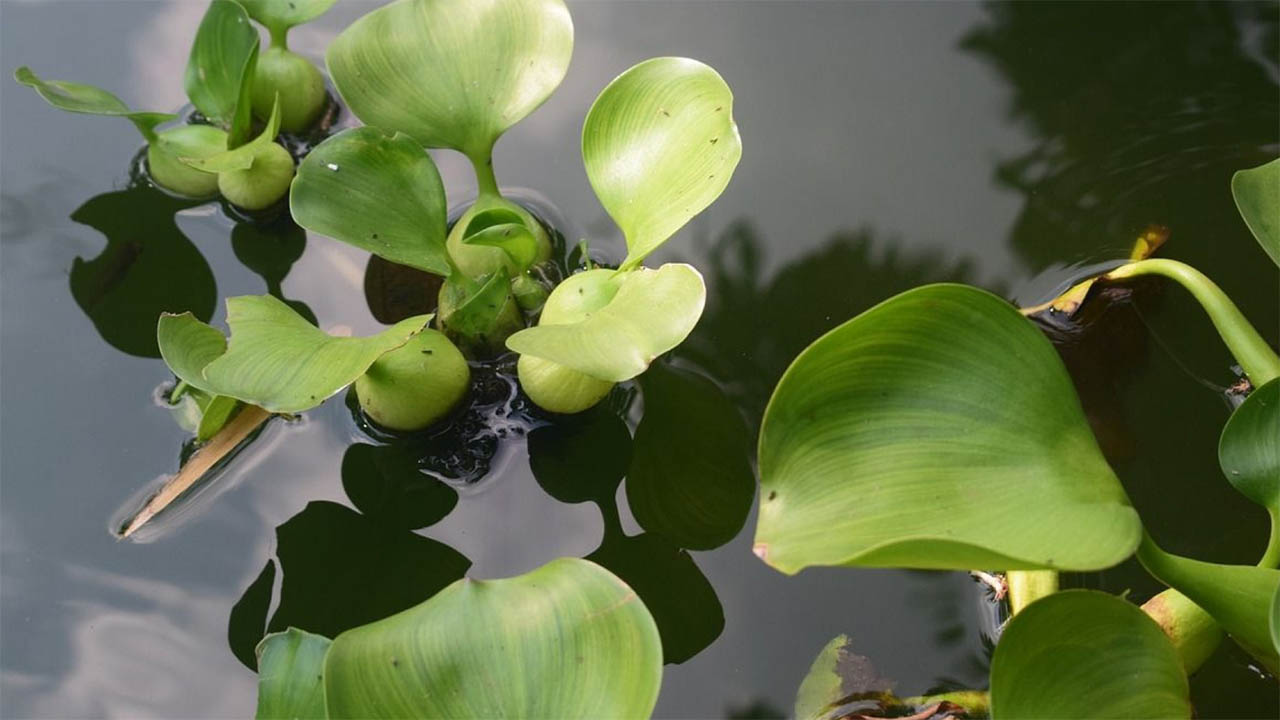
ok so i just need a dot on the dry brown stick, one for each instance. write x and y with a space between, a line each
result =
245 422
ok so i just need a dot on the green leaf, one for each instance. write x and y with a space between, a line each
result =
216 413
279 16
1086 654
503 228
884 446
824 684
452 73
648 313
1237 596
568 640
377 192
89 100
479 314
243 156
275 359
690 480
240 127
1249 450
1257 194
660 145
225 42
291 675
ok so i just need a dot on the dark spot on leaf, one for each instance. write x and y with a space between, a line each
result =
773 494
426 352
719 108
715 140
375 236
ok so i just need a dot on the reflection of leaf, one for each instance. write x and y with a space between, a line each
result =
453 73
291 675
683 603
1237 596
148 267
340 569
225 42
1257 194
1249 450
248 621
378 192
581 458
882 447
568 640
270 250
275 358
386 485
691 479
395 292
1081 653
652 312
660 145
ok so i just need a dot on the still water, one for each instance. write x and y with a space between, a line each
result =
886 145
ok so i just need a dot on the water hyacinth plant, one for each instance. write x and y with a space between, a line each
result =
229 82
881 448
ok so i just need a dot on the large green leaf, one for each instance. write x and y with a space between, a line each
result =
224 44
568 640
278 15
378 192
660 145
291 675
1086 654
938 429
452 73
89 100
690 479
1237 596
1257 194
275 359
1249 450
648 313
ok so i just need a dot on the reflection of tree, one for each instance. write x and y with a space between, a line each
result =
1141 110
753 329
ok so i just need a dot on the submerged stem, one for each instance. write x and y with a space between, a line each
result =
1253 353
1027 586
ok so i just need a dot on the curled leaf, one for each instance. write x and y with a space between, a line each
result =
1257 195
1249 449
224 44
242 157
89 100
660 145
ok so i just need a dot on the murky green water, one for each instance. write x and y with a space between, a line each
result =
887 145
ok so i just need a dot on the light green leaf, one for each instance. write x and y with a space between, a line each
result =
568 640
452 73
380 193
690 479
1257 194
215 413
660 145
643 314
823 686
1086 654
291 675
241 125
1249 450
938 429
505 229
89 100
275 359
1237 596
225 42
278 15
242 157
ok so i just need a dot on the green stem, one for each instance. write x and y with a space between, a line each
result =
485 179
176 394
975 702
1253 353
1027 586
279 37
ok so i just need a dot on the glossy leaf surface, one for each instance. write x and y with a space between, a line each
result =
89 100
651 312
1249 450
568 640
452 73
660 145
225 42
1086 654
279 15
377 192
275 359
1237 596
1257 194
938 429
291 675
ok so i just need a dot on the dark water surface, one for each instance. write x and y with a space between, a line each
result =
886 145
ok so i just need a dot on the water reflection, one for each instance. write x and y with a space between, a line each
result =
270 249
